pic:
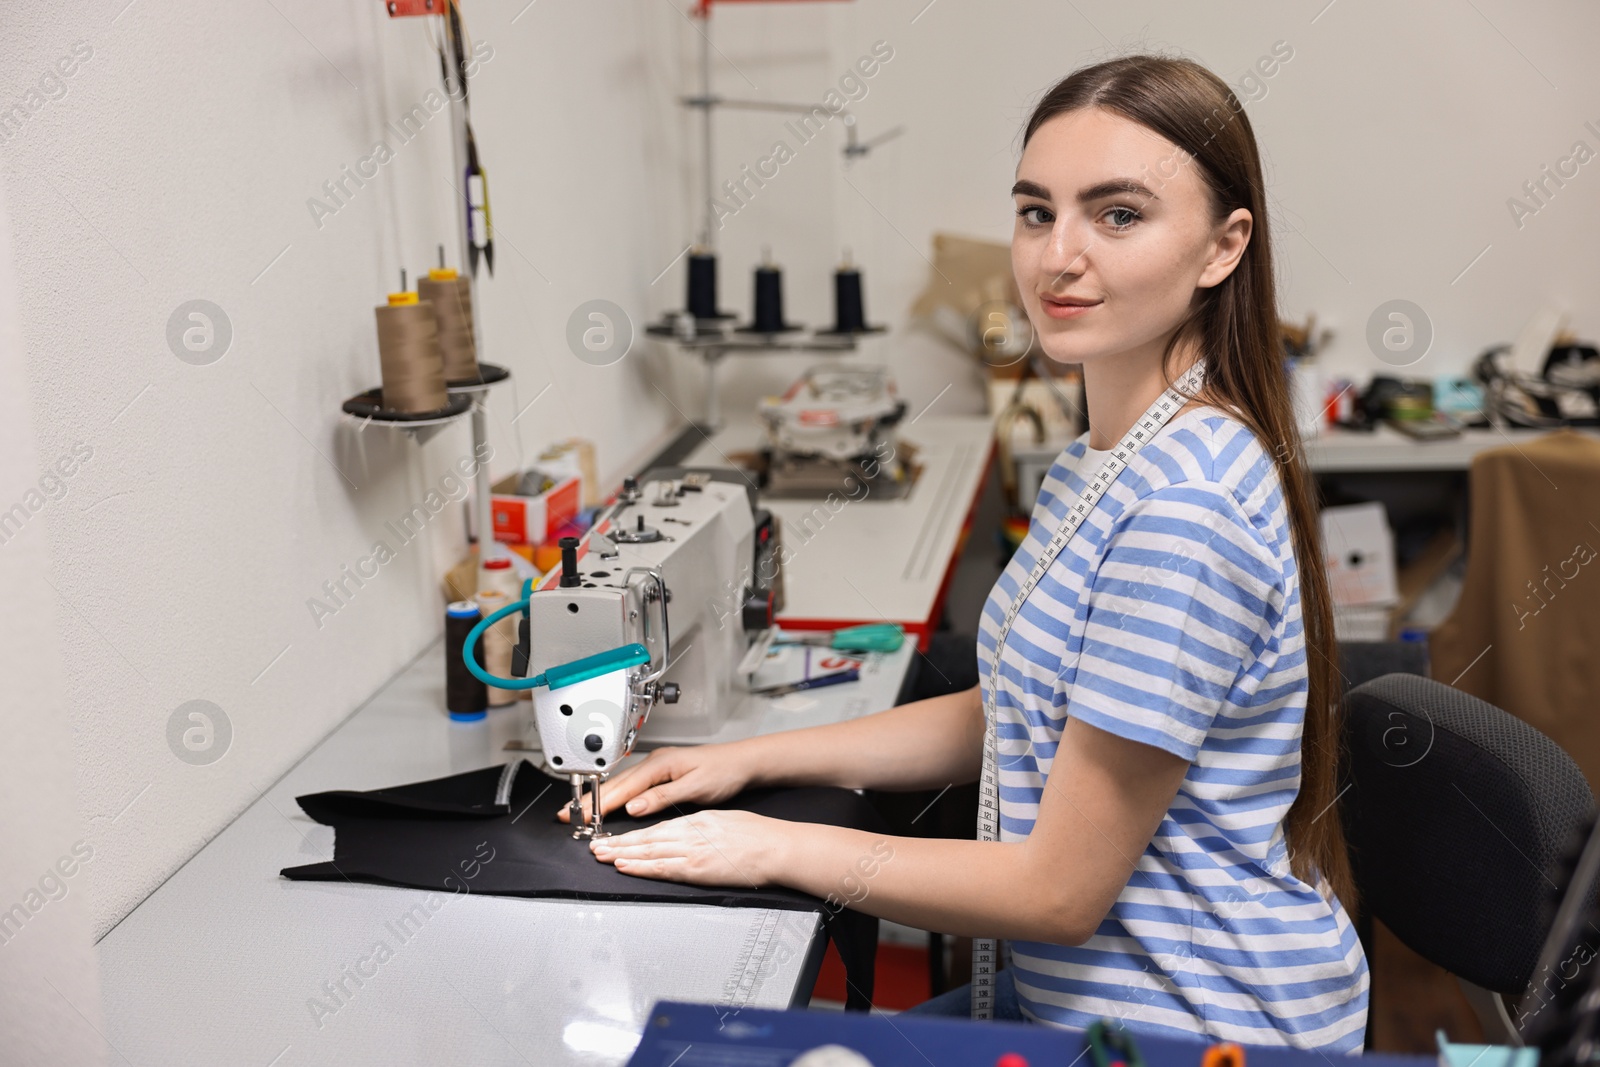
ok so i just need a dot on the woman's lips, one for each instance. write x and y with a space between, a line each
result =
1064 309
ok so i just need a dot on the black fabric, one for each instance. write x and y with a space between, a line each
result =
948 666
449 834
1455 812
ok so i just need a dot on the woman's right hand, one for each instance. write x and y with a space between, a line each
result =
703 774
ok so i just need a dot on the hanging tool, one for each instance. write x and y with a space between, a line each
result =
480 238
453 70
873 637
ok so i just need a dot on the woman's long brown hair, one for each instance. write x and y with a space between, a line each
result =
1234 326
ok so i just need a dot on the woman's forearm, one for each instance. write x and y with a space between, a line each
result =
929 744
1100 807
963 888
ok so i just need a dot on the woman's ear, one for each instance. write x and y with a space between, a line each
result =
1227 246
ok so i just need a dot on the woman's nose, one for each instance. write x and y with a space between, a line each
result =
1066 250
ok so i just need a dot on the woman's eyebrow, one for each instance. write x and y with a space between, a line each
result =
1097 191
1114 187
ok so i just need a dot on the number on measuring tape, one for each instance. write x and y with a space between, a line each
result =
984 950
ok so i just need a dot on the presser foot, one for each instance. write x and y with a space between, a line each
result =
592 827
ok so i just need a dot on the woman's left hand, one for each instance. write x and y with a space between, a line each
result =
721 848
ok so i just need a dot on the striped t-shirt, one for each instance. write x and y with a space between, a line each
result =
1172 618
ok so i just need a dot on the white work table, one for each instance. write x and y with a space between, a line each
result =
1336 451
221 965
875 559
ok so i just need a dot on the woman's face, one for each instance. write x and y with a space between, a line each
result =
1113 235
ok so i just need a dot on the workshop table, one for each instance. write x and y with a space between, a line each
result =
876 559
1380 450
227 963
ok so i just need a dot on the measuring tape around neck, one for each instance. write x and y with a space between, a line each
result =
1186 388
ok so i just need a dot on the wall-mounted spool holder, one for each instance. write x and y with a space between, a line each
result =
489 374
366 409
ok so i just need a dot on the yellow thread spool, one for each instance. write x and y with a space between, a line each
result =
451 296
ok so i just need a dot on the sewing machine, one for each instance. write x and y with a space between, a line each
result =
648 618
832 431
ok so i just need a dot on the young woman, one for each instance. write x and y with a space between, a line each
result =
1170 851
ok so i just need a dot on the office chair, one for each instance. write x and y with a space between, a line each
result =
1455 813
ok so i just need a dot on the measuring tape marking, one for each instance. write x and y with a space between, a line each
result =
984 950
747 974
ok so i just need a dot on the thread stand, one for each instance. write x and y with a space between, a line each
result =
715 337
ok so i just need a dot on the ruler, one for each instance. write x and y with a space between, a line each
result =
984 950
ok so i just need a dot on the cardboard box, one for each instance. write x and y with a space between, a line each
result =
1359 549
532 520
572 456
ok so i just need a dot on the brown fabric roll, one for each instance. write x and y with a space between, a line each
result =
412 365
452 303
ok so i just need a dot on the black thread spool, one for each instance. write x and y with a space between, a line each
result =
768 302
466 696
702 295
849 303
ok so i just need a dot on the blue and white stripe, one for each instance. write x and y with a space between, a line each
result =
1173 619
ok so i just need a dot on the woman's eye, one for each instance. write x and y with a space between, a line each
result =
1121 218
1034 215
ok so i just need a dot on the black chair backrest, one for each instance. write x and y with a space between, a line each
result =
1455 814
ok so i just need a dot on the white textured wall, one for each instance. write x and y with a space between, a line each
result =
49 985
218 498
1393 140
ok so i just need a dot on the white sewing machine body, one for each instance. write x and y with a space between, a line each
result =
676 565
586 727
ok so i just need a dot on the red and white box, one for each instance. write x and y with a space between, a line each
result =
532 520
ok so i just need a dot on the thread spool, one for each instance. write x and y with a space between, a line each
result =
451 296
768 301
702 295
408 354
498 642
500 574
849 312
849 302
466 697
